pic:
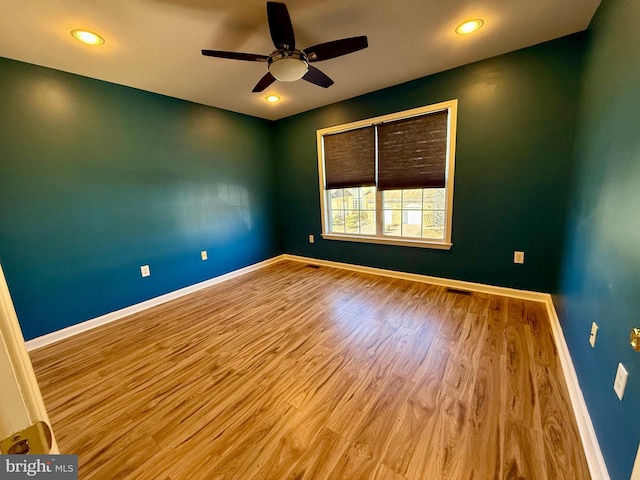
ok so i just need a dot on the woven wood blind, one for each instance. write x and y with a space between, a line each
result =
349 158
412 153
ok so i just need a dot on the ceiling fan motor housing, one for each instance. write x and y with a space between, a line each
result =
288 65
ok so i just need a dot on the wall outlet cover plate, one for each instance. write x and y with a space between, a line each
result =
620 382
593 334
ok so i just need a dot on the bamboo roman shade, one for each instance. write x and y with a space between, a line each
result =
412 153
349 158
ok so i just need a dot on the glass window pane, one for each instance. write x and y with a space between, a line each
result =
412 199
409 213
391 222
367 198
434 198
350 198
365 217
351 221
368 222
433 219
392 199
411 223
335 198
352 210
433 233
439 218
337 221
428 219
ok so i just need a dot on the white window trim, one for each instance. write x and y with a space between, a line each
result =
446 243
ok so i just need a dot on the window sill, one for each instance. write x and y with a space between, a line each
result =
439 245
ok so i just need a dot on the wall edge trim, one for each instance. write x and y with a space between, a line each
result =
417 277
56 336
590 444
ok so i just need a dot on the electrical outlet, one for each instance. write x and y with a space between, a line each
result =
593 334
203 255
620 383
311 239
518 257
144 270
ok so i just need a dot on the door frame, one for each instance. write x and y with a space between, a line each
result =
21 403
635 474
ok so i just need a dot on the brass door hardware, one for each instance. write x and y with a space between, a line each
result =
35 440
634 339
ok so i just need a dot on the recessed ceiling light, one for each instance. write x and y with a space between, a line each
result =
272 98
469 26
88 37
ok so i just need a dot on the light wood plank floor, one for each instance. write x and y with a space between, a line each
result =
298 372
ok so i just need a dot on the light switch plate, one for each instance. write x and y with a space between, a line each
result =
620 382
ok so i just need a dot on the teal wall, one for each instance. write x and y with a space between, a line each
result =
600 279
97 179
516 118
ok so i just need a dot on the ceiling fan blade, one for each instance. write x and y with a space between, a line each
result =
264 82
252 57
336 48
316 77
280 26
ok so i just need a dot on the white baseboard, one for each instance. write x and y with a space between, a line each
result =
58 335
416 277
590 443
597 467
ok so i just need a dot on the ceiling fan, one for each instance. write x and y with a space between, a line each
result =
286 63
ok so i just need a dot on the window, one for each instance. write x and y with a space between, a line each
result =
389 179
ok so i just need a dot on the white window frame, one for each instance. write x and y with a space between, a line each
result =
446 243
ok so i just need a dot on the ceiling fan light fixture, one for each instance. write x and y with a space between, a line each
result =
286 63
288 69
272 98
469 26
85 36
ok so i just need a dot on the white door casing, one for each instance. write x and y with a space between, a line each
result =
21 402
635 474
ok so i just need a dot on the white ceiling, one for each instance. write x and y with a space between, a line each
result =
155 45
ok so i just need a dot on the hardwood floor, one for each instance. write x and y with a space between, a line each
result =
298 372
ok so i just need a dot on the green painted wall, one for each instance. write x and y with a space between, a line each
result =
97 179
600 278
516 123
